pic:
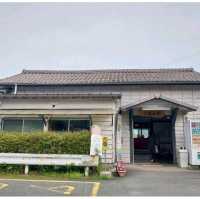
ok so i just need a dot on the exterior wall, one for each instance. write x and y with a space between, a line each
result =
186 94
125 150
62 106
105 122
100 110
59 103
132 93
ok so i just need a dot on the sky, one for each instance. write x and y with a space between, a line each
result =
78 36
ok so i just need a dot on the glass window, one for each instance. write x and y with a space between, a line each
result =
58 125
78 125
14 125
140 133
145 133
33 125
136 133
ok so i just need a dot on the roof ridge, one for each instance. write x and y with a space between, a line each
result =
153 70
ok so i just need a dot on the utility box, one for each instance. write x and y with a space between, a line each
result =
183 158
192 134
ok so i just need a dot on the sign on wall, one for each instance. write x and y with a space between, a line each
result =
105 144
96 141
151 113
194 142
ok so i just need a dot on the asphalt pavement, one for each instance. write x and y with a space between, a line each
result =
141 180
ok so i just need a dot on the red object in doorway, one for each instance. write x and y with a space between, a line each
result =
121 169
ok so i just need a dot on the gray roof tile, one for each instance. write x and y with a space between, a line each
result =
123 76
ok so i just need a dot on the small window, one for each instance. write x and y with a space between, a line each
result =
33 125
12 125
136 133
140 133
145 133
79 125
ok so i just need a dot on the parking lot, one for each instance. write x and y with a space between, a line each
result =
141 180
154 180
19 187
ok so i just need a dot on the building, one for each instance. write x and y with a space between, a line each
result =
141 111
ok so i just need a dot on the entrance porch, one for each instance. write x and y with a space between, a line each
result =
153 136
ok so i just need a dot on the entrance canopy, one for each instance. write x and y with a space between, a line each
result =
160 103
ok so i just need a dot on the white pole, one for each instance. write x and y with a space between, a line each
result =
26 169
86 171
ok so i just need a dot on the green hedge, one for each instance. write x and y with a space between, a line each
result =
41 143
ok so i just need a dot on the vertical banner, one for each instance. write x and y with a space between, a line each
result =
195 142
96 141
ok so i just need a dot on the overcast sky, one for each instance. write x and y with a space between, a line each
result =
98 36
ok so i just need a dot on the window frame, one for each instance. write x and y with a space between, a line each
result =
22 119
72 119
39 119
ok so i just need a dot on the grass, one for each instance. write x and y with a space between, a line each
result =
52 176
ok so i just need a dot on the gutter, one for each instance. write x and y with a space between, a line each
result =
109 83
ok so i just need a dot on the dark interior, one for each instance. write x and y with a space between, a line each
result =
71 125
58 125
152 139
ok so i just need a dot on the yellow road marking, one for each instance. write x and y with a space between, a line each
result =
2 185
94 192
95 188
68 189
29 180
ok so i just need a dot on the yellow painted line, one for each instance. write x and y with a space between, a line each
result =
44 188
95 188
3 185
29 180
68 189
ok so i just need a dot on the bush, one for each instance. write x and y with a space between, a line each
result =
45 143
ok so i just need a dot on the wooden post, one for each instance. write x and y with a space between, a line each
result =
87 171
174 115
26 169
131 135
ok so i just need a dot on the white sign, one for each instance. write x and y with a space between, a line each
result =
193 142
96 141
195 130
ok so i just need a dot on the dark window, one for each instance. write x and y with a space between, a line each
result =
79 125
58 125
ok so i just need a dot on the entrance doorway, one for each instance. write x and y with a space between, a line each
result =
152 139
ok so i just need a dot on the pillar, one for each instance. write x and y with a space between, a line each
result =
46 124
131 135
26 169
87 171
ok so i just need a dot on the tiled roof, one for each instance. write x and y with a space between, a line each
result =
123 76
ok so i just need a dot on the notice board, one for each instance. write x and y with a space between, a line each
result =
193 142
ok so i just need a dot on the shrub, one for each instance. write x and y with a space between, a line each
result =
45 143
